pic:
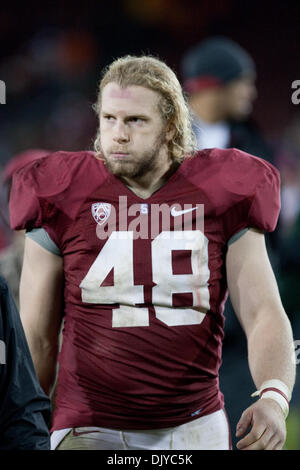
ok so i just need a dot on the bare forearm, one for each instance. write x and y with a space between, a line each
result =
43 345
44 356
270 349
41 309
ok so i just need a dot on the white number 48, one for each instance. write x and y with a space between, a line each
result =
117 254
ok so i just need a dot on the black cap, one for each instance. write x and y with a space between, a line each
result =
215 61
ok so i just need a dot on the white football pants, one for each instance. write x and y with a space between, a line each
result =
210 432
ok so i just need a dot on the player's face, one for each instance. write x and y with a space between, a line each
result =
132 132
239 96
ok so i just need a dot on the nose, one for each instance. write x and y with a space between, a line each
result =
121 132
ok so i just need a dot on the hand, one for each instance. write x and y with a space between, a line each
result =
268 429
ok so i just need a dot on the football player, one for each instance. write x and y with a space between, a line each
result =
141 241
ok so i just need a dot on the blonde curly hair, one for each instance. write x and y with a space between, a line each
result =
152 73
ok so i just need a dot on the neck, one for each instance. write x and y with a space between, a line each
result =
145 185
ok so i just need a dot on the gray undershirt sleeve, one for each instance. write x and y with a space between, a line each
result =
236 236
40 236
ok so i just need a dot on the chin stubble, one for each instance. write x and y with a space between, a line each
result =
145 163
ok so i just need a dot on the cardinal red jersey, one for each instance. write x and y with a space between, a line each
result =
145 280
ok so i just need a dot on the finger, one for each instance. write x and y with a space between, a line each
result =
244 423
273 441
278 444
262 443
253 436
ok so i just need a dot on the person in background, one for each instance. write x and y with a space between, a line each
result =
24 407
219 78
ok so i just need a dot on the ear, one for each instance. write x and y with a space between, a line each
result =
170 131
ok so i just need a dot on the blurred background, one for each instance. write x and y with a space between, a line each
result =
51 60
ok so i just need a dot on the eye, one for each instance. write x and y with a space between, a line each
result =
108 117
137 119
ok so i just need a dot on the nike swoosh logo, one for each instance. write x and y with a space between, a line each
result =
176 213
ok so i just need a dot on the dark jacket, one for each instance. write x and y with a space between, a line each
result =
246 136
24 408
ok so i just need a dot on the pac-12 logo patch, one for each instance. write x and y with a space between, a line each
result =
101 212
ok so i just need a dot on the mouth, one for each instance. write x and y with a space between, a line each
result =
119 155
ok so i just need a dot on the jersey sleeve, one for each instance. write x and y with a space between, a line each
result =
265 207
28 204
255 195
45 188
